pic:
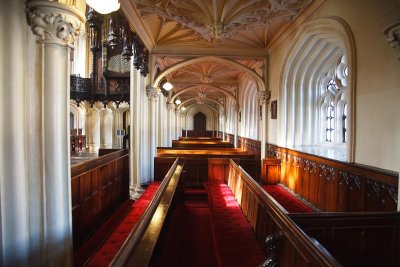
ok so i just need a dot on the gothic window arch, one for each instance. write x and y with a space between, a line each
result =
315 95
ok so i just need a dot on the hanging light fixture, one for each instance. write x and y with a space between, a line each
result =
104 6
167 86
183 108
178 101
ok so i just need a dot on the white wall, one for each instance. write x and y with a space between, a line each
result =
377 91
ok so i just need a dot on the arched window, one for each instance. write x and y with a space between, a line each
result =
315 96
333 105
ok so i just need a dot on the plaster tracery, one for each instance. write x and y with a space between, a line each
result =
215 22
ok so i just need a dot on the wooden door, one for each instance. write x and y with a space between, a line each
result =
200 123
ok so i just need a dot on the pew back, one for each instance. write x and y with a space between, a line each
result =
356 239
139 247
98 187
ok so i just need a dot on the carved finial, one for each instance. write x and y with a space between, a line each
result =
273 243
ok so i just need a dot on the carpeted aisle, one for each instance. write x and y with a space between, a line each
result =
188 240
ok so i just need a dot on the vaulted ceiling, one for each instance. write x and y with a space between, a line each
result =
239 31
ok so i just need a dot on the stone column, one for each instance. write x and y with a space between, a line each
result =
58 25
224 119
134 135
170 132
153 94
236 126
264 98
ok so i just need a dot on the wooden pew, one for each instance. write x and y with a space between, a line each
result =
196 162
287 244
139 247
353 239
98 187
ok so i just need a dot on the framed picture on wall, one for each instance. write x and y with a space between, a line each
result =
274 107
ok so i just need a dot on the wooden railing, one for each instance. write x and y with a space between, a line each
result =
332 185
287 244
98 187
140 245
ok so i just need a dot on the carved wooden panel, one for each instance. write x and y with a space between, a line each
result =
336 186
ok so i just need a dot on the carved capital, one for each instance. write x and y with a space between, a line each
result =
170 106
152 93
55 22
392 34
264 96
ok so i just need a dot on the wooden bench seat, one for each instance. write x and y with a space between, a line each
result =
288 200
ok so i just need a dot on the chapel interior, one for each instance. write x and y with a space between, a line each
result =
202 133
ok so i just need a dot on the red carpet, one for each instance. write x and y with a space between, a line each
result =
188 241
196 197
110 248
234 240
286 199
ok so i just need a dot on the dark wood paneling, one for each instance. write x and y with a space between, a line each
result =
192 133
335 186
99 187
356 239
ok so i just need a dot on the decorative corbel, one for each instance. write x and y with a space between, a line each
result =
392 33
264 96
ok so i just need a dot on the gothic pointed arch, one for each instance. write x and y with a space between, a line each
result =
317 82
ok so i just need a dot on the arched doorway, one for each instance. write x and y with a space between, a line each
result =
200 122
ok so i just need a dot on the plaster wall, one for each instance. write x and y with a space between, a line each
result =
377 79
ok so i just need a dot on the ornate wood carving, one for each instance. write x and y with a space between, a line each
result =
345 187
310 166
273 242
112 44
352 181
380 190
326 172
